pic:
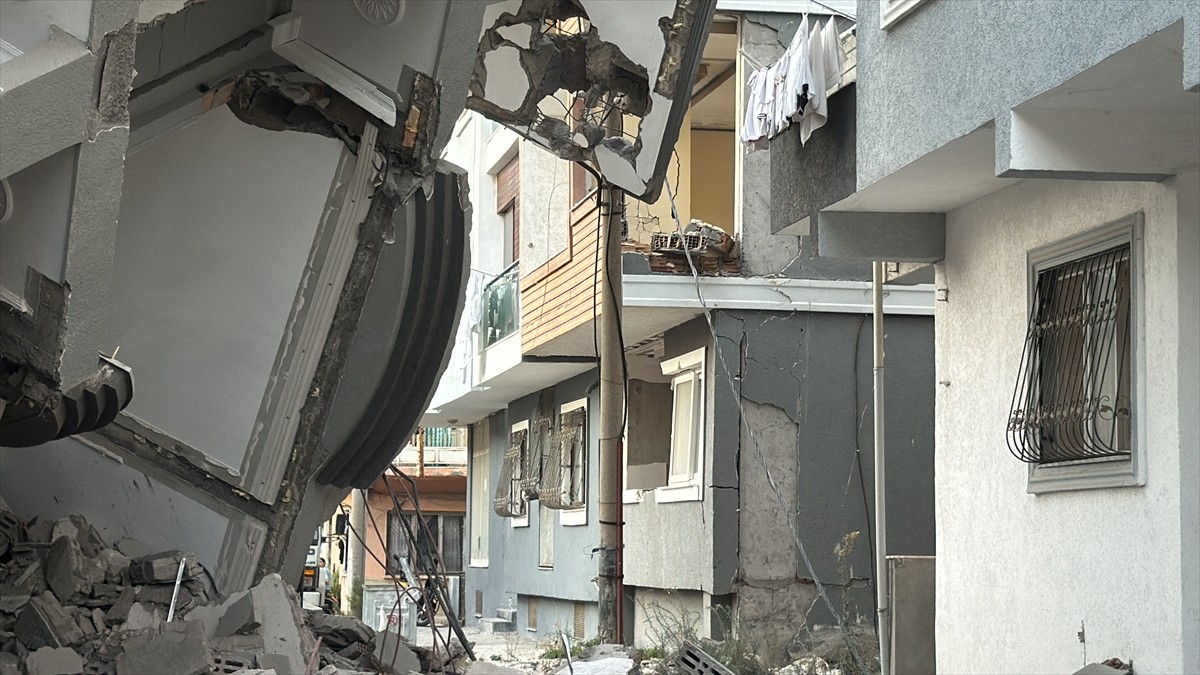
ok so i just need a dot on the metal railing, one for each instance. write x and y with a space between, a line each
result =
501 313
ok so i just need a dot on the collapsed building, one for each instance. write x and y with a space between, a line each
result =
232 262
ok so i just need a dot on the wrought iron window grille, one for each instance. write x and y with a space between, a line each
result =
1072 399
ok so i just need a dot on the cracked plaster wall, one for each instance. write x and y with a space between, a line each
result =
763 39
799 381
545 205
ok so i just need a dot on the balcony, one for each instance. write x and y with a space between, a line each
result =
500 314
441 447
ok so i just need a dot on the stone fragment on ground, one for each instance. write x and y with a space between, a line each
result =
54 661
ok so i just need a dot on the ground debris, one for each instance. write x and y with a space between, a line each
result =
71 605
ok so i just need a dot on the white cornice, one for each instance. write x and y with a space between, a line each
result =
772 294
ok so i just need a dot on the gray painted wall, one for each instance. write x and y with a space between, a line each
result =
35 233
71 478
202 286
512 569
970 72
780 183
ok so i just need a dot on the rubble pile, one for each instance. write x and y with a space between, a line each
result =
71 605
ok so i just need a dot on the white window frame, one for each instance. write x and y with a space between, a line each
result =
521 521
628 496
1107 472
892 11
689 487
484 454
578 517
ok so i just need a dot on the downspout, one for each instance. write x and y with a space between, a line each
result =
881 571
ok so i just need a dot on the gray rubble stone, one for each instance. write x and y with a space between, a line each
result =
81 531
39 531
238 618
70 572
142 616
44 623
54 661
178 650
339 631
162 568
395 656
115 565
12 598
10 664
119 612
32 580
278 609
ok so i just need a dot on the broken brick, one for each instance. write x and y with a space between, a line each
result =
162 568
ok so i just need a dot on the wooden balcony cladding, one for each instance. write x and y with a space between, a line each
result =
559 295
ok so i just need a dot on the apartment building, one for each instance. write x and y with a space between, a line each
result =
1043 154
748 384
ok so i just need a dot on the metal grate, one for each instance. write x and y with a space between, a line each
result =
695 661
580 629
1072 399
565 469
509 501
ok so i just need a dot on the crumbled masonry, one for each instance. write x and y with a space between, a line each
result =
71 605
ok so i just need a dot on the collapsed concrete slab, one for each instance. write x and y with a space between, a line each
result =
54 661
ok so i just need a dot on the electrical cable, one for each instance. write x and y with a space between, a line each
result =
862 481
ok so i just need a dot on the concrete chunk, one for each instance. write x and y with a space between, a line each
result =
276 606
178 650
78 529
44 623
54 661
12 598
142 616
119 612
394 656
162 568
238 618
10 664
70 573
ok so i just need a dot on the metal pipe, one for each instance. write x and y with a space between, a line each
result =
881 571
175 594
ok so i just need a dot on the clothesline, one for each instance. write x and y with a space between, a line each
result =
793 89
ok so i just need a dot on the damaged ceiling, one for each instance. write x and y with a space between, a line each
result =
559 72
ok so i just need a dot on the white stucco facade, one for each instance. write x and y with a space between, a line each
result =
1020 575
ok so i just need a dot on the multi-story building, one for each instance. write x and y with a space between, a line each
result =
240 201
748 385
1044 154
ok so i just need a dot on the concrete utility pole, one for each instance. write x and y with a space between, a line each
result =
355 569
612 413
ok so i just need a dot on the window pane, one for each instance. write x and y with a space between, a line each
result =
682 426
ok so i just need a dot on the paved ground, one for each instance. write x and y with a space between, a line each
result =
510 650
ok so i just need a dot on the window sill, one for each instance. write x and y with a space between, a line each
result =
523 521
633 496
478 564
573 517
1092 475
545 568
678 493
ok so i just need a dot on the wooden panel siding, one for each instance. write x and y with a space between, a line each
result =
558 296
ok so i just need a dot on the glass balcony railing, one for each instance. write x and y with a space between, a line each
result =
501 315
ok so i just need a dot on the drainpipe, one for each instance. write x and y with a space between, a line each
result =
420 452
881 571
612 407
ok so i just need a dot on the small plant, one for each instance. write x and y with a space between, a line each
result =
496 657
356 597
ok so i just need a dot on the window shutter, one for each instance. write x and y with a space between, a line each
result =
509 502
564 473
508 185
